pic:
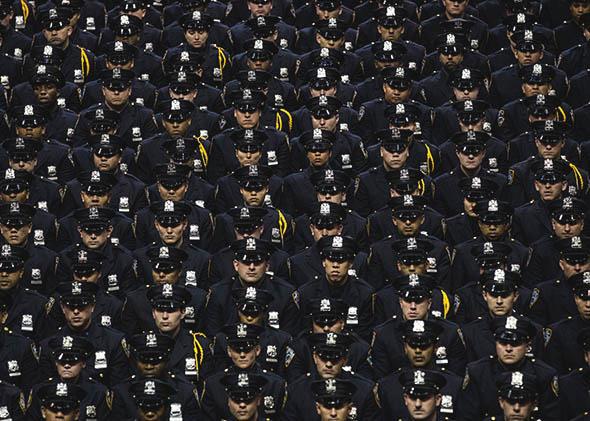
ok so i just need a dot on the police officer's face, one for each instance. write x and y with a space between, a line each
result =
152 414
46 93
463 95
78 318
8 280
530 89
395 95
549 150
329 124
32 132
256 233
571 269
250 319
408 227
253 197
450 61
131 39
196 38
337 327
550 191
19 197
526 58
412 268
567 230
419 356
168 321
578 8
171 235
151 369
471 162
499 305
127 66
243 359
318 159
116 97
69 371
250 272
176 128
263 65
336 272
328 369
89 200
174 194
57 37
335 44
247 119
412 310
106 163
327 14
333 198
325 92
511 354
390 34
28 166
394 160
248 158
516 411
53 415
87 277
257 9
161 277
319 233
243 411
333 413
476 126
94 240
493 232
583 307
15 235
421 408
189 96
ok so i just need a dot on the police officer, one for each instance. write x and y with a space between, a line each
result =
573 385
470 149
250 28
251 306
23 371
243 348
513 337
329 351
164 268
109 364
191 353
250 265
136 122
573 60
333 398
60 400
327 81
132 27
14 43
337 255
153 399
517 395
420 353
53 161
150 353
326 315
71 354
244 395
16 229
254 188
247 222
422 395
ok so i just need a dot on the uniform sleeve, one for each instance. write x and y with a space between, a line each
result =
468 400
380 356
119 364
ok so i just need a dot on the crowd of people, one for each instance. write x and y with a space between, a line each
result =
277 210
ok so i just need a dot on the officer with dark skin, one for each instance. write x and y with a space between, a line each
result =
470 149
331 186
109 364
574 384
191 355
28 313
513 338
152 397
250 265
327 315
415 300
71 354
329 351
420 339
338 255
333 399
567 221
243 348
164 267
254 188
251 306
60 401
464 225
573 60
571 33
150 352
53 161
517 396
136 122
500 293
247 222
22 350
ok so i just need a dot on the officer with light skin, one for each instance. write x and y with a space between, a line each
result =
333 399
244 395
517 395
422 393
